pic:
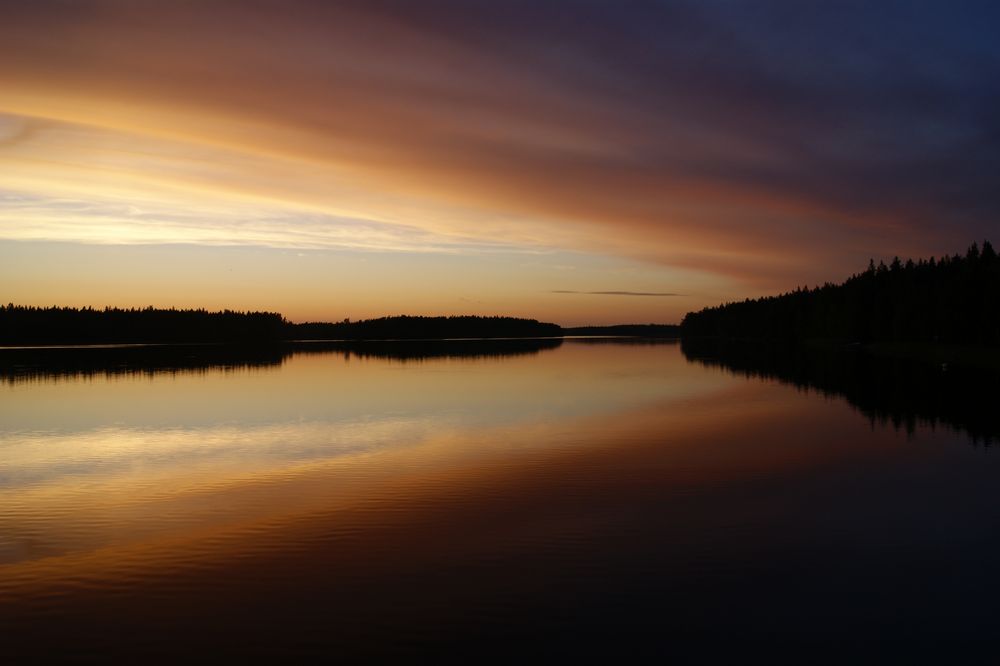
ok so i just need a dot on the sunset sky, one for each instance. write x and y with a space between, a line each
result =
575 162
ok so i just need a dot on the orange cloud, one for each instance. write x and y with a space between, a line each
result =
394 116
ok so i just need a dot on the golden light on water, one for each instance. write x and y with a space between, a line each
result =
327 443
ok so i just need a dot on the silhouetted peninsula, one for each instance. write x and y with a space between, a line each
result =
951 301
423 328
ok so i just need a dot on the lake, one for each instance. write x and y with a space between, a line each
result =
494 500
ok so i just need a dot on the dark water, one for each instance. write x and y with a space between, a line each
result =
513 501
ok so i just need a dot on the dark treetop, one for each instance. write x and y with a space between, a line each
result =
424 328
20 325
954 300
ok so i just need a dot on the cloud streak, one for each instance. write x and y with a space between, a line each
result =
614 293
774 144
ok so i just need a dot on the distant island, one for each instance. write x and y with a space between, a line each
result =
406 327
954 300
627 330
48 326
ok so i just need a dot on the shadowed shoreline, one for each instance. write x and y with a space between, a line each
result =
38 363
886 389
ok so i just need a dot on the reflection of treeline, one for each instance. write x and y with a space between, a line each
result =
36 363
628 330
421 350
887 390
18 365
625 341
424 328
21 325
951 300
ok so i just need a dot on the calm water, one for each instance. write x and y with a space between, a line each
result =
507 500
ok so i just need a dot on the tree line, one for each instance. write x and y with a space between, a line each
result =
954 300
424 328
627 330
28 325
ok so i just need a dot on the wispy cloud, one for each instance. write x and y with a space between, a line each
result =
743 142
615 293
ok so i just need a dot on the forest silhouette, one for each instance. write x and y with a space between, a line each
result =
423 328
26 325
952 300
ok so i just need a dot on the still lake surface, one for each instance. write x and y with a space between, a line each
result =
508 500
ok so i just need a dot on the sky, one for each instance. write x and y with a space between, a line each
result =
577 162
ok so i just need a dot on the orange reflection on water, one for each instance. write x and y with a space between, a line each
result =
455 483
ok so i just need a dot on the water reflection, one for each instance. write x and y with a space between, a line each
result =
592 500
32 363
886 390
421 350
41 363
